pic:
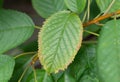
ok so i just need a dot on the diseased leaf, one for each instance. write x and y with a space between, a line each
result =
15 28
108 52
46 8
6 68
76 5
41 76
59 41
105 4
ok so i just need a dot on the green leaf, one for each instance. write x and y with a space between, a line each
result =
66 78
20 64
88 78
108 52
105 4
94 10
59 41
6 67
30 47
85 59
28 72
56 76
79 64
41 76
91 28
76 5
46 8
15 28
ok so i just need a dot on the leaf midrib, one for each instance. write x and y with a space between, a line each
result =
51 67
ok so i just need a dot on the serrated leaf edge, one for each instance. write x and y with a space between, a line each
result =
39 43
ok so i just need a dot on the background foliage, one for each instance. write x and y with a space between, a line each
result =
78 42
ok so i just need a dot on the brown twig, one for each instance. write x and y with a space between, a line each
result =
101 18
34 60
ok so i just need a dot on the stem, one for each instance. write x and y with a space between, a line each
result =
115 17
34 74
84 17
23 73
35 58
88 10
99 24
24 54
91 33
109 7
37 27
31 63
101 18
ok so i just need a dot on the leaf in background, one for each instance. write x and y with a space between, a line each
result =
79 64
20 66
94 11
85 59
46 8
88 78
76 6
66 78
41 76
104 4
59 41
6 68
108 52
15 28
30 47
1 3
91 28
56 76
